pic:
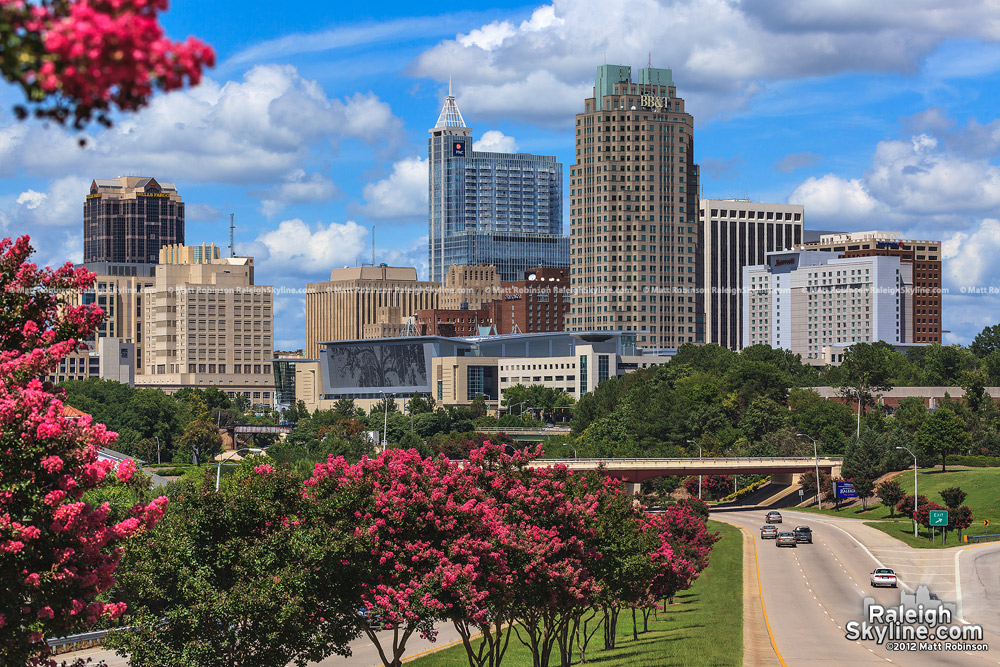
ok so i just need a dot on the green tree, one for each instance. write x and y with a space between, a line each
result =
974 382
154 414
344 407
865 372
986 342
944 364
763 416
890 492
201 438
478 406
943 432
863 461
237 579
953 496
910 414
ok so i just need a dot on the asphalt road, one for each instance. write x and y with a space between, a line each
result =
812 591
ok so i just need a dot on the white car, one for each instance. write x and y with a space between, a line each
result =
883 576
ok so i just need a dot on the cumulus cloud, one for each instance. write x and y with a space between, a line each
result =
60 206
495 141
402 194
718 48
920 181
298 188
794 161
830 197
297 250
253 130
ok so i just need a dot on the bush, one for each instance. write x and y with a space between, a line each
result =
747 490
974 461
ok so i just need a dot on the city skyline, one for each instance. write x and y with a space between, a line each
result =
313 126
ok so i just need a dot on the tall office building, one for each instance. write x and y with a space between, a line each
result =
208 325
925 256
364 302
738 233
634 234
128 219
502 209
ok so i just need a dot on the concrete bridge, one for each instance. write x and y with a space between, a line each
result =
782 469
527 434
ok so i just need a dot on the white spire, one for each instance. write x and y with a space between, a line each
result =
450 115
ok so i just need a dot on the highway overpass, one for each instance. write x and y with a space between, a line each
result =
780 468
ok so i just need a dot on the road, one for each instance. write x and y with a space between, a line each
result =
812 591
363 651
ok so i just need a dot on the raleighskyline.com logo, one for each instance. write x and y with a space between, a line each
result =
919 623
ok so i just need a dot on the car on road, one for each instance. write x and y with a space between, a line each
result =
785 539
803 534
883 576
773 517
768 532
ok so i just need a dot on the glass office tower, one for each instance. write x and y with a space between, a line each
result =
503 209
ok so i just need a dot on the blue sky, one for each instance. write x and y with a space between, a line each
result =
313 126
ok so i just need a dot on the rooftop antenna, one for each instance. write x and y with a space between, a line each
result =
650 58
449 84
232 236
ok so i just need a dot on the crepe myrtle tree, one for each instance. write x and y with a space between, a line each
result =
422 527
57 552
81 60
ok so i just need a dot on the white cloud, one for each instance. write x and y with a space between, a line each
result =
402 194
721 51
31 199
249 131
832 197
495 141
298 188
294 249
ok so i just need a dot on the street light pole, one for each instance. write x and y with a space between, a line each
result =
385 418
218 468
566 444
699 463
819 504
914 489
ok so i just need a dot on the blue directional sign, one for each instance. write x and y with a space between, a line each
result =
844 490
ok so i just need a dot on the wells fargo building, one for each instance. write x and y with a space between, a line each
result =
128 219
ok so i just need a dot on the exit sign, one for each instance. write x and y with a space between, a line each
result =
938 517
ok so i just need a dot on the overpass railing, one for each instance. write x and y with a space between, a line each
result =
826 460
980 538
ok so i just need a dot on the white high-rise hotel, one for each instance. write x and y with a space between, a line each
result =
811 302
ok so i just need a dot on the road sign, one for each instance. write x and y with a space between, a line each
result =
844 490
801 493
938 517
986 522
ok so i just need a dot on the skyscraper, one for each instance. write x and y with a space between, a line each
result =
502 209
128 219
634 234
738 233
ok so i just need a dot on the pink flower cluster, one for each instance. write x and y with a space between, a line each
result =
57 552
103 53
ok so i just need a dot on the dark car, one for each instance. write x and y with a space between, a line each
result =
773 517
786 539
803 534
768 532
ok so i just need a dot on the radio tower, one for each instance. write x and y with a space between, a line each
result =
232 236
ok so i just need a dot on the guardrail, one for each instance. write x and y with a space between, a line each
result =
76 642
980 538
823 460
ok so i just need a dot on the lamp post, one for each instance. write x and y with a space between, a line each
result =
914 488
699 463
385 418
218 468
566 444
819 504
